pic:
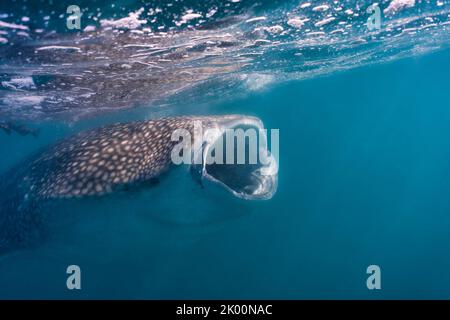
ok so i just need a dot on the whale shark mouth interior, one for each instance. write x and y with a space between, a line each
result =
247 181
242 180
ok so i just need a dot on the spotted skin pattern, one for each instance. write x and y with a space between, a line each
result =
104 160
99 161
91 163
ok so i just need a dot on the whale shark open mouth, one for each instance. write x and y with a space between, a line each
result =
248 169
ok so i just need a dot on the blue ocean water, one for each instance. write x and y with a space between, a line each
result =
363 179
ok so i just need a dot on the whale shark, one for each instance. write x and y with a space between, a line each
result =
118 157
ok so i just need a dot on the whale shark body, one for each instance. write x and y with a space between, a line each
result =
112 158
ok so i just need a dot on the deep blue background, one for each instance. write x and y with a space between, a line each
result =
364 179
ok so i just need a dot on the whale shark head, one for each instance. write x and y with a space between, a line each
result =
234 154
